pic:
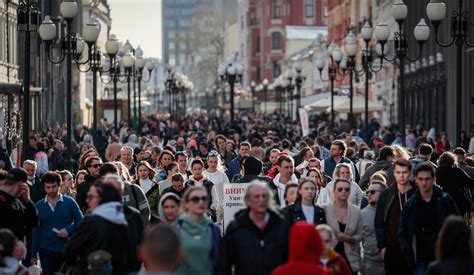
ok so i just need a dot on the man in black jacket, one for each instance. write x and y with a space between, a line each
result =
256 242
422 217
93 165
384 162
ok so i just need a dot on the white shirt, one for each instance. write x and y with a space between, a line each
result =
50 205
219 178
308 211
146 185
281 188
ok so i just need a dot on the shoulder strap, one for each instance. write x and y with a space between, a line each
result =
134 194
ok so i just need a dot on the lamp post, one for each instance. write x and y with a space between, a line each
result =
71 46
27 15
382 33
460 20
336 62
265 90
112 47
231 72
252 91
141 63
299 79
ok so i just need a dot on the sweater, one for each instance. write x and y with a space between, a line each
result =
66 215
369 240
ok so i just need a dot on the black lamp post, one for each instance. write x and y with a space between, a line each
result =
299 79
27 15
382 33
71 46
141 63
460 20
252 91
231 72
265 91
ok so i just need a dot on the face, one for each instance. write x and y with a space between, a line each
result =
84 148
51 189
401 174
180 142
286 169
258 200
344 173
58 146
197 170
221 144
182 161
170 209
212 162
291 195
327 242
342 191
307 191
314 164
94 167
143 172
335 151
373 193
309 155
244 151
196 202
93 198
274 157
32 143
80 178
126 157
67 182
230 146
203 149
177 185
30 170
425 181
166 159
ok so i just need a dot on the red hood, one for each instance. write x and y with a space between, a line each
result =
305 243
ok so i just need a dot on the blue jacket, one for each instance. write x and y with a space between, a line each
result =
234 167
66 215
445 206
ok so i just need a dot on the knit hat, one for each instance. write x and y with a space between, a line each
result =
252 166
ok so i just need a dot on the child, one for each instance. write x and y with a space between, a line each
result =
335 263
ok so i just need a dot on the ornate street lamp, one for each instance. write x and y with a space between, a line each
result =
71 47
460 20
265 91
141 63
231 72
27 16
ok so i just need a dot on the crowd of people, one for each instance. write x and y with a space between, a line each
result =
153 201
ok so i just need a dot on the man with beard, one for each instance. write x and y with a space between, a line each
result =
58 215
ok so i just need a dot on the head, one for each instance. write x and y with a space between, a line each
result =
30 167
400 152
80 176
306 153
386 153
307 191
316 176
425 150
447 159
244 149
161 249
274 153
376 186
203 148
197 167
285 166
291 192
165 158
195 200
328 238
126 155
343 170
13 181
115 181
342 189
108 168
252 166
102 193
8 243
145 171
258 197
220 142
214 161
177 182
401 171
58 145
338 149
67 181
460 154
171 169
314 163
169 207
182 159
453 242
425 177
93 165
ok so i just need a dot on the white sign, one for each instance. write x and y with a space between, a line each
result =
304 121
233 200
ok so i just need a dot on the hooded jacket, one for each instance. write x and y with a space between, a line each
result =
101 230
306 248
161 214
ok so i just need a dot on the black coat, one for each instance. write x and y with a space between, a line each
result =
448 266
135 224
455 182
16 215
253 251
82 190
294 213
96 233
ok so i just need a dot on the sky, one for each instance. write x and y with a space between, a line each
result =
139 21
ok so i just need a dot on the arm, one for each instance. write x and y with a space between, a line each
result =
31 214
76 216
379 222
143 205
82 235
404 237
36 241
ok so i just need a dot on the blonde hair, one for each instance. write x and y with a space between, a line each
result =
328 230
335 175
123 171
400 152
379 177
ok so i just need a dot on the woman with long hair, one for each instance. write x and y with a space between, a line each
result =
67 186
343 171
80 177
145 178
304 208
291 193
170 169
200 237
453 252
345 219
216 174
166 157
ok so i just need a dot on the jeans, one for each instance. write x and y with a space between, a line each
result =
50 261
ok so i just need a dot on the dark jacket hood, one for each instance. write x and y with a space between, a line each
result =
305 243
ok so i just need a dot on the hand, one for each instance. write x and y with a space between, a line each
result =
19 251
24 192
382 253
62 233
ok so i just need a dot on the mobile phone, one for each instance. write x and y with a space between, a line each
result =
55 230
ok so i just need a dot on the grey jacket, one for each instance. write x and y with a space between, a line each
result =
133 196
369 239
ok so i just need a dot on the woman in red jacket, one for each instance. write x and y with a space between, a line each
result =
304 252
335 263
443 144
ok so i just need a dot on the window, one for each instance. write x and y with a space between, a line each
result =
276 41
309 8
277 9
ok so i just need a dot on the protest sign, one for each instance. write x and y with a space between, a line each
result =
233 200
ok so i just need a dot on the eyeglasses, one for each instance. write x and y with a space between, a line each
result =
345 189
96 165
371 192
196 199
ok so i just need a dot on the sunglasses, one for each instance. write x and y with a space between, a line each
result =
196 199
371 192
96 165
213 153
346 189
